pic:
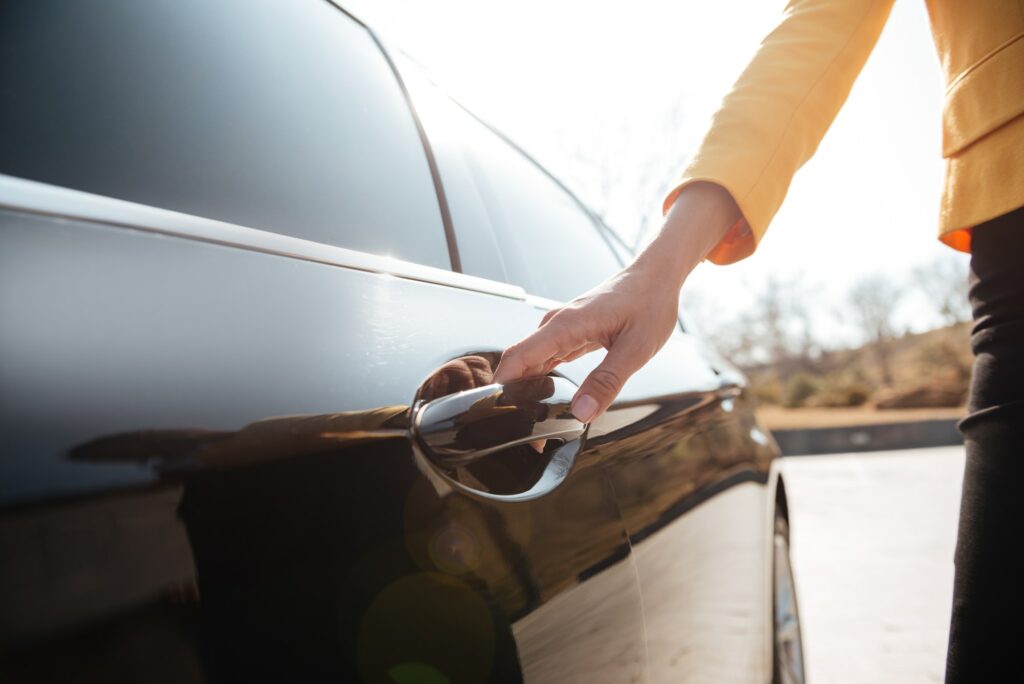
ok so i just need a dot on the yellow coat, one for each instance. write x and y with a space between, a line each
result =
785 100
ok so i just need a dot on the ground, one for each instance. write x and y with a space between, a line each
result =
872 541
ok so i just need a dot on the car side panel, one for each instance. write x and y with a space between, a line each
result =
694 491
206 468
696 506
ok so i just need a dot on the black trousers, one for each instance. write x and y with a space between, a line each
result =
987 630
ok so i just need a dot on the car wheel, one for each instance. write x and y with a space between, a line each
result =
788 647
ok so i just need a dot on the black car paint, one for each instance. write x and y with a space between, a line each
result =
208 472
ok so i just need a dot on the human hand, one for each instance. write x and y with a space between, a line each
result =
632 313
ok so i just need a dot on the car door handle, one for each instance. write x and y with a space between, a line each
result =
457 429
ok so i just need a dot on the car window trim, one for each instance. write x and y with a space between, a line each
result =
43 199
596 222
435 172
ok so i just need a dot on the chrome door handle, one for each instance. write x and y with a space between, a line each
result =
459 428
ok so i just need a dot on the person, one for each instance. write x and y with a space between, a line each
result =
766 128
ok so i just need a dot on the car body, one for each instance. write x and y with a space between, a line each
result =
255 274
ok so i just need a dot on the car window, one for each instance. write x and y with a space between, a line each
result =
549 244
448 126
511 220
283 116
624 253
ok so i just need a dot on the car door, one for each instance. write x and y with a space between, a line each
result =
690 467
704 515
248 425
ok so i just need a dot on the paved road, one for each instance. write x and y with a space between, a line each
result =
873 537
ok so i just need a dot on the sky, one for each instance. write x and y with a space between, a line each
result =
613 98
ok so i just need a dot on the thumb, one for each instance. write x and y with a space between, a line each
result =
604 383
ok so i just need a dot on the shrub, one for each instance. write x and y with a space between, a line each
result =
799 389
842 394
766 390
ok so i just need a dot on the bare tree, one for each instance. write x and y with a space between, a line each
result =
780 317
775 327
944 281
732 335
874 300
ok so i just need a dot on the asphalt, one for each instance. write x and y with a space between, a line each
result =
872 541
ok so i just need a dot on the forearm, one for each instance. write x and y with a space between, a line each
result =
697 221
781 106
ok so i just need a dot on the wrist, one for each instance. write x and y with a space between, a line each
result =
697 221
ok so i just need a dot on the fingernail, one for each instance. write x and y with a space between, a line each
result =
584 408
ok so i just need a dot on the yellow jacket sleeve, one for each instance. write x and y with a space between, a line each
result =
780 108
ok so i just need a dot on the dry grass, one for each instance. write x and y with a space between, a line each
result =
937 361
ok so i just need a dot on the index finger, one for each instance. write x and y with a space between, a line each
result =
544 344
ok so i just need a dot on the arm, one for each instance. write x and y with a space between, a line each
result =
767 127
780 108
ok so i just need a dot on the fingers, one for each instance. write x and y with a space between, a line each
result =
595 395
549 366
585 349
531 356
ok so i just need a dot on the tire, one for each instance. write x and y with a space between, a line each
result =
787 650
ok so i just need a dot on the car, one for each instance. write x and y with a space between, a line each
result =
257 271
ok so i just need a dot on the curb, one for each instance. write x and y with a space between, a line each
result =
880 437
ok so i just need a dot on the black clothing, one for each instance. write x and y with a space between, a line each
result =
988 594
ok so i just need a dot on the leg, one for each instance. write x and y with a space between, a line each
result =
988 593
